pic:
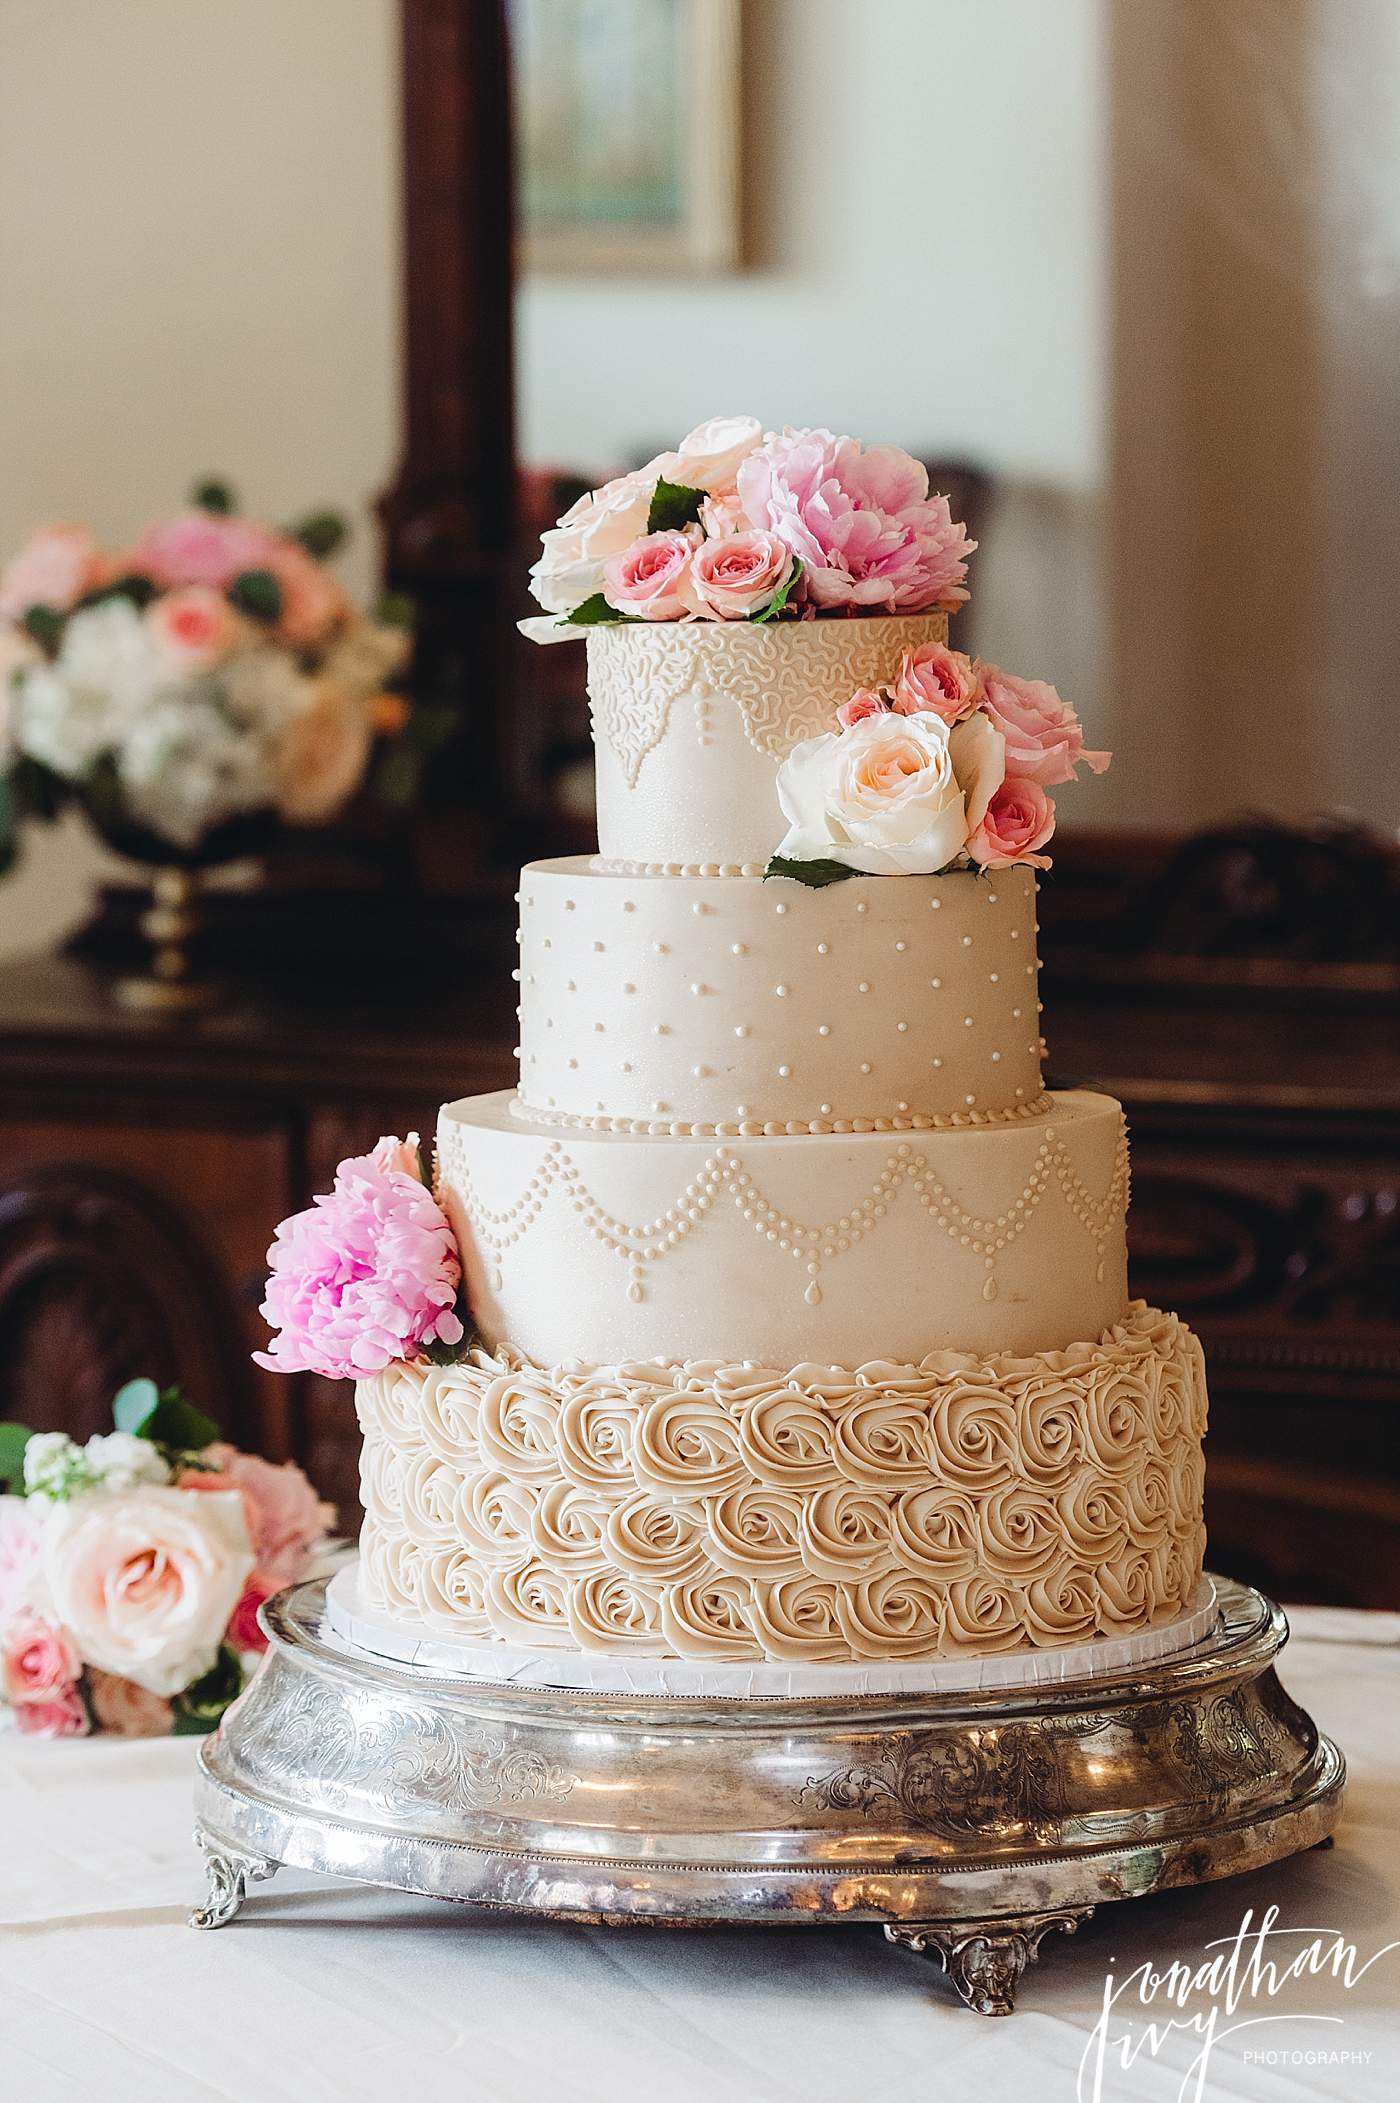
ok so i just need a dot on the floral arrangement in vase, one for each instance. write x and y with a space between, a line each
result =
193 690
742 524
947 768
132 1569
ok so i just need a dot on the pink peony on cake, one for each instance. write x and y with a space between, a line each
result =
793 1322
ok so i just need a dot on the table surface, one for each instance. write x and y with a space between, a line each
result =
326 1993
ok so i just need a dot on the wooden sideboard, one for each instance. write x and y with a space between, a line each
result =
143 1166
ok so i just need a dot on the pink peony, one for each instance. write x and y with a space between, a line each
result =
54 568
193 627
937 681
865 701
1019 819
38 1660
1044 742
126 1710
863 523
202 547
367 1275
61 1716
740 574
651 578
285 1516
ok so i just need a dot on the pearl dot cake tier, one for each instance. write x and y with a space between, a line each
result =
691 720
957 1506
695 1006
844 1247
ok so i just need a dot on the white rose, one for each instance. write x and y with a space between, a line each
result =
709 457
119 1461
145 1581
601 524
889 796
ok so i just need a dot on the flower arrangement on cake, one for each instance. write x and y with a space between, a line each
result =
132 1569
193 690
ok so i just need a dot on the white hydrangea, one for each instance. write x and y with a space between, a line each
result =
188 764
118 1460
55 1466
84 704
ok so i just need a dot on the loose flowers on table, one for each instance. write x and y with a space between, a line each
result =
132 1568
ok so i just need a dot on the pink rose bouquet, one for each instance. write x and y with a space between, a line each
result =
193 690
958 783
132 1569
367 1274
776 523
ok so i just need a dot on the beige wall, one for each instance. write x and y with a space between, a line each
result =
198 271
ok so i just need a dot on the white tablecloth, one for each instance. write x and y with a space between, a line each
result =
324 1993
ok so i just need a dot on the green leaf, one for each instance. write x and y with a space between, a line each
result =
322 533
178 1426
45 627
396 609
593 613
673 505
139 590
13 1440
133 1404
816 875
258 593
214 495
425 1166
199 1708
780 598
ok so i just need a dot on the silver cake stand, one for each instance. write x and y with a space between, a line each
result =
968 1826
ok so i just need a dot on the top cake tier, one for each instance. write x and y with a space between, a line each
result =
691 720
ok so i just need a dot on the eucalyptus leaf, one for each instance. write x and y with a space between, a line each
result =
780 598
673 506
816 875
13 1440
133 1404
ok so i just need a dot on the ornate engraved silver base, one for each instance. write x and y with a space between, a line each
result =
968 1825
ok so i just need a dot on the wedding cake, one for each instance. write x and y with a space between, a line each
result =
799 1325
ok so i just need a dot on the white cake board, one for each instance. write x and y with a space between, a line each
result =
366 1629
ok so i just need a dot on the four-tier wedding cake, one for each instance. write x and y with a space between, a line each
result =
798 1318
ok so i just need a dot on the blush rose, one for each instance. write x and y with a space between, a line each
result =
651 580
1044 741
740 574
38 1660
938 681
1019 819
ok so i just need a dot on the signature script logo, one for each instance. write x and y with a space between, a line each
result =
1228 1993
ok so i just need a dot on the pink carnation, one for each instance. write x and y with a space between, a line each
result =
202 547
367 1275
739 574
865 701
1019 819
651 578
1044 742
937 681
54 568
61 1716
863 523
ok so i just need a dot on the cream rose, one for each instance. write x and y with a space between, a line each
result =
655 1541
710 456
786 1439
494 1514
597 1420
526 1603
899 1614
936 1531
882 1442
600 525
845 1532
890 796
518 1425
566 1526
755 1532
146 1581
452 1587
798 1617
610 1612
705 1617
686 1445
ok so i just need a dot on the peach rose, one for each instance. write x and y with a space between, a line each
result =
936 679
38 1661
126 1710
1019 819
892 796
284 1515
651 579
601 524
146 1581
865 701
321 760
314 601
740 574
192 628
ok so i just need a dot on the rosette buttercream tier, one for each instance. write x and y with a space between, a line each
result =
842 1246
692 719
960 1505
690 1006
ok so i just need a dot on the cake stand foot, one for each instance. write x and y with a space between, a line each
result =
230 1873
985 1958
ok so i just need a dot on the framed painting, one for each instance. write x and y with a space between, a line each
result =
627 134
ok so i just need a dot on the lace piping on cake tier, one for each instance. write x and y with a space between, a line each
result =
610 865
723 1173
707 1509
771 1128
635 675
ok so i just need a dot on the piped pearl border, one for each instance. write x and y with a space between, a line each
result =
607 865
777 1128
